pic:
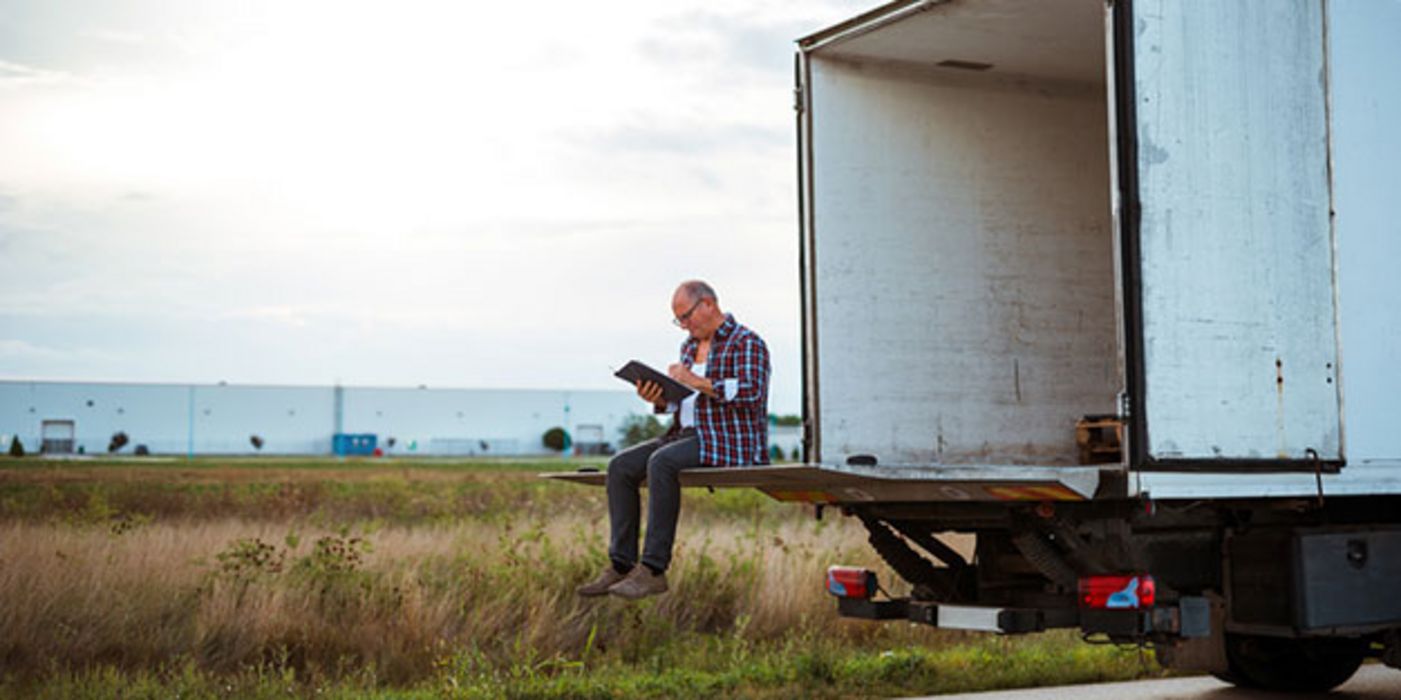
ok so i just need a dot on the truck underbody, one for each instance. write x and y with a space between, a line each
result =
1281 594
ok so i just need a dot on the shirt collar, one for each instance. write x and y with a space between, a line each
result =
727 327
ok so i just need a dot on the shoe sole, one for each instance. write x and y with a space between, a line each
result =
632 596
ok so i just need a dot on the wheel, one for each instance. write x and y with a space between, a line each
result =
1233 679
1301 665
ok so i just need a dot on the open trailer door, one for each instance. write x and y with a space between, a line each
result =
1222 135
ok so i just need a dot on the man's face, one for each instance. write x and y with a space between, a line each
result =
694 315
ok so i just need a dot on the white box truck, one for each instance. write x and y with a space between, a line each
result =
1171 223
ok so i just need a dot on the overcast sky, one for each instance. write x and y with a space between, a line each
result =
443 193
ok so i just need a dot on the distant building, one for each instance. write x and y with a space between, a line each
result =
83 417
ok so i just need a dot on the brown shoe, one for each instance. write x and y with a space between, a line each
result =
600 585
640 583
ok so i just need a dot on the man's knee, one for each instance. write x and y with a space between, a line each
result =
665 464
627 466
659 467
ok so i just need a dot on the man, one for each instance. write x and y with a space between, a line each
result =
725 423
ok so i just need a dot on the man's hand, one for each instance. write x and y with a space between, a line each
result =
683 374
651 392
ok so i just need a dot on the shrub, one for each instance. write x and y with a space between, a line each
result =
556 439
119 440
16 447
246 559
638 429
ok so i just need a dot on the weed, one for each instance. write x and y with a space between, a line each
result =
248 559
356 581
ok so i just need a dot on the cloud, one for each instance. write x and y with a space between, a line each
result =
682 139
276 202
281 315
114 36
17 75
20 351
733 40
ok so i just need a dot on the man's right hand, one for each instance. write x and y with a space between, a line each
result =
651 392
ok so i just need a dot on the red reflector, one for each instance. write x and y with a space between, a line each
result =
851 582
1120 592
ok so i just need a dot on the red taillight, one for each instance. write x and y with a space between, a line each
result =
1120 592
851 582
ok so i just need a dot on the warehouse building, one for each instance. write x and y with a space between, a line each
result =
223 419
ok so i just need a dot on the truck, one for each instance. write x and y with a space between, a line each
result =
1113 288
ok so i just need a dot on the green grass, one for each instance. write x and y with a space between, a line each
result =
382 578
321 490
799 666
311 463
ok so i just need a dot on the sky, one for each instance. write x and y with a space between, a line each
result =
393 194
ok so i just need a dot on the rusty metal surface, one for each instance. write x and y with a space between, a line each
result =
820 484
1236 244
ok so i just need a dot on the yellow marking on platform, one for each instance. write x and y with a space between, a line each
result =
1056 493
1033 493
806 496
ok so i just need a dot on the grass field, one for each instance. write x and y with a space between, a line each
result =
370 578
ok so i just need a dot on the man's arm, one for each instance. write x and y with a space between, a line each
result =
750 380
680 373
751 370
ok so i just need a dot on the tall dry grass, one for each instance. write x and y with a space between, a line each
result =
229 593
264 578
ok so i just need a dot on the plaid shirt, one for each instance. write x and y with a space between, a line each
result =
734 428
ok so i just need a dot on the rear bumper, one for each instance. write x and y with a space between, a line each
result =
1186 619
959 617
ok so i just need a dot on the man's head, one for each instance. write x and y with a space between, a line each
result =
697 309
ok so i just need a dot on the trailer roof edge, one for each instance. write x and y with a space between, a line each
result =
865 22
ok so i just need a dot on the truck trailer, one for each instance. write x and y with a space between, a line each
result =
1114 288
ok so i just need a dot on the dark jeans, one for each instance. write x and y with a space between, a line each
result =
660 463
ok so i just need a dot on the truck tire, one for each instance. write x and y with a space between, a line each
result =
1300 665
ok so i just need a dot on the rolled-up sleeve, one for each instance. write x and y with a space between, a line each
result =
746 381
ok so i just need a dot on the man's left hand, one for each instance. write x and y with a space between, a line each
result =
682 374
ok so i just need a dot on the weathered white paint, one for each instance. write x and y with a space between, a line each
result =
963 264
1359 478
1366 126
1240 351
1365 112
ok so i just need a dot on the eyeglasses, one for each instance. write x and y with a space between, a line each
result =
679 320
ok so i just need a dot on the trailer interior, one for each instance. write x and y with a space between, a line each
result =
961 252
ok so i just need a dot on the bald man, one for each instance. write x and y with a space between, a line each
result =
723 424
